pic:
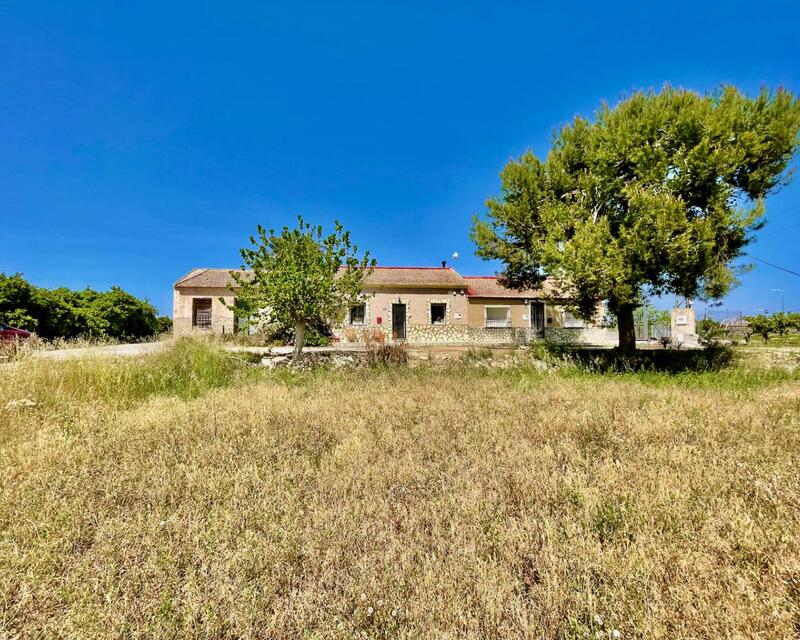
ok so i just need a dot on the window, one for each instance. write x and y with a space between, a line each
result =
438 312
201 313
358 314
497 317
572 321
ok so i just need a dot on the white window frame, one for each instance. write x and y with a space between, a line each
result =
507 323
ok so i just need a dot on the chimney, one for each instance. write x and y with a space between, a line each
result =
444 264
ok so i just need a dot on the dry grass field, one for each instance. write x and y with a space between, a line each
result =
190 495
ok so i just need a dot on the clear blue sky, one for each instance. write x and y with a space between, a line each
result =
140 140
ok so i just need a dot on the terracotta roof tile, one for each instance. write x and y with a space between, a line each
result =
415 277
211 278
380 277
434 277
489 287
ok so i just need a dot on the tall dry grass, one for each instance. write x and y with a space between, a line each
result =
434 502
186 369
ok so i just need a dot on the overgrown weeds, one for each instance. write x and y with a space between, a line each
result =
440 501
476 354
379 354
186 370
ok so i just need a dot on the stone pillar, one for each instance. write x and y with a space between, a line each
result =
683 326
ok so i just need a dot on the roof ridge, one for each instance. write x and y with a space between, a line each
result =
426 268
194 272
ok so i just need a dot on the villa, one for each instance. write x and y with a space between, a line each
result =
417 305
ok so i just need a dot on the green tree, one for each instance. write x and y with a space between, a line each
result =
64 313
657 195
117 314
300 277
16 301
708 328
654 315
163 324
60 312
762 325
782 322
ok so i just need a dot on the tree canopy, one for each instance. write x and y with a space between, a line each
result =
64 313
765 325
659 194
300 277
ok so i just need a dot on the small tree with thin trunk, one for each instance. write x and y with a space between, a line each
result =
657 195
300 277
762 325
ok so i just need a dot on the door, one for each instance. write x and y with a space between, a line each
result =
537 319
399 321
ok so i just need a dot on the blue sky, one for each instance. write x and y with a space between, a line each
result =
140 140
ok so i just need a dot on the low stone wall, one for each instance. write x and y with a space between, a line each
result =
581 335
437 334
509 335
461 334
350 334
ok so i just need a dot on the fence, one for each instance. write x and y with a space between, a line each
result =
651 331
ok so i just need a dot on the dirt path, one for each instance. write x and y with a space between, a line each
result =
114 350
145 348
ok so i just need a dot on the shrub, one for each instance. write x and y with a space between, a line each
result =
610 520
714 357
386 354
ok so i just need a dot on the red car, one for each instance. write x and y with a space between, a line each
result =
7 332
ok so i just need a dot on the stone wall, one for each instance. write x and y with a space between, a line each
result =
437 334
459 334
581 335
427 334
221 316
360 334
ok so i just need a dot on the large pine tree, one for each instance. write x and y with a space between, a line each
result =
659 194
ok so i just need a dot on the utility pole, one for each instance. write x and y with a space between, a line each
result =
781 292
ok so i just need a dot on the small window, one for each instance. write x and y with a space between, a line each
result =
358 314
438 312
498 317
201 313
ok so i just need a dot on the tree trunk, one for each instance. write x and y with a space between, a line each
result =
627 331
299 336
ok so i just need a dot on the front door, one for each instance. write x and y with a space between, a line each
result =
537 319
399 321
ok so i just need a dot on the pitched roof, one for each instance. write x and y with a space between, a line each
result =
415 277
211 278
489 287
382 277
